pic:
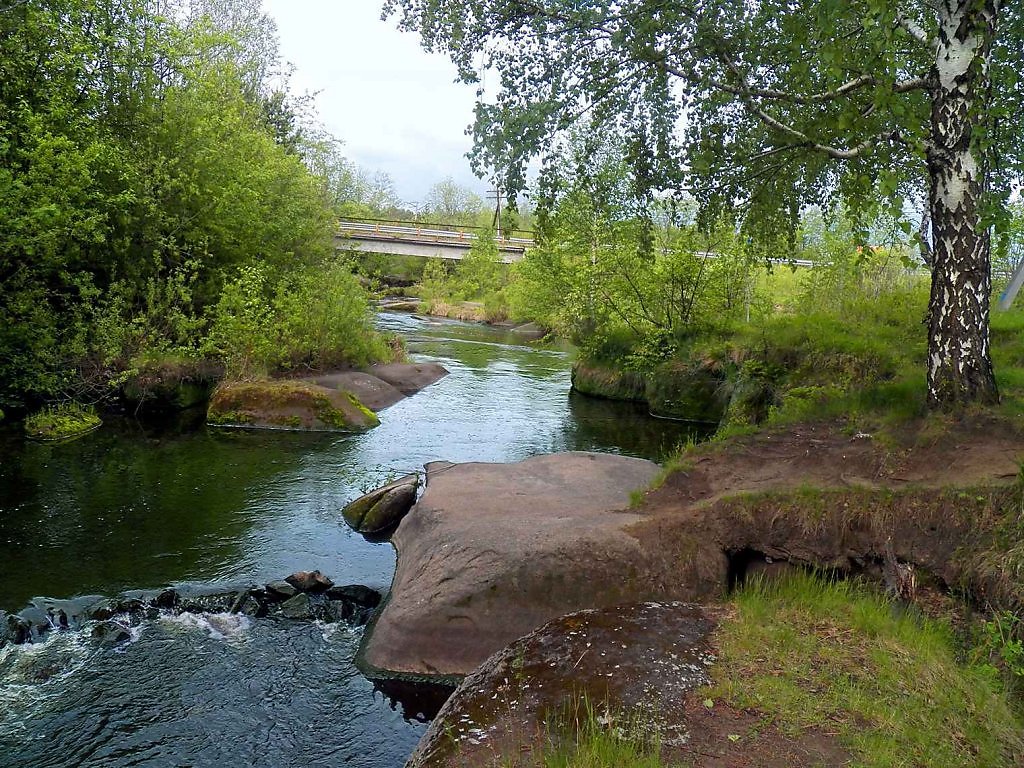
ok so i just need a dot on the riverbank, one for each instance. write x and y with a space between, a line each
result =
465 311
774 505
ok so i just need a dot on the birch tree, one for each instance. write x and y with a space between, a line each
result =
765 106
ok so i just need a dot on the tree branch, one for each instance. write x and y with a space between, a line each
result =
914 29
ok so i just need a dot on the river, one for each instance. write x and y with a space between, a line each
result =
133 506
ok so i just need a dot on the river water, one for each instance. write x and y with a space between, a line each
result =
132 506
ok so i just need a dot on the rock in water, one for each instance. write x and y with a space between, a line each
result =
492 551
309 581
288 405
298 607
110 633
409 378
356 594
383 508
280 590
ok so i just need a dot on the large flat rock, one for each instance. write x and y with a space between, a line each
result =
381 386
373 392
633 665
492 551
409 378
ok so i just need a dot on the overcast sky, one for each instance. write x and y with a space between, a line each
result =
396 107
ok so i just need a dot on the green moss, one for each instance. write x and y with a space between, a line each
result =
62 422
227 418
371 417
600 380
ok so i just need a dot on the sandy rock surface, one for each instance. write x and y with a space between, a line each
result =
492 551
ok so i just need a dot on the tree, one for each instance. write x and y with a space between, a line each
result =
452 203
767 106
140 165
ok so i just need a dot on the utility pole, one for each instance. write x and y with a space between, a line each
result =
495 194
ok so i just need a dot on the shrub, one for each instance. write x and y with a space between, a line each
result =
315 318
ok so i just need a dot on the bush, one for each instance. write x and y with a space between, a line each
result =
314 318
324 319
242 327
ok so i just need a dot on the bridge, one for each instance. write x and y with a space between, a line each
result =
433 241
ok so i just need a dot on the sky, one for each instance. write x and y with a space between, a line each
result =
397 108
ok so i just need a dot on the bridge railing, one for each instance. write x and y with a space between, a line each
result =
431 232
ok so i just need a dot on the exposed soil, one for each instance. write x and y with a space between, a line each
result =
824 456
724 737
815 496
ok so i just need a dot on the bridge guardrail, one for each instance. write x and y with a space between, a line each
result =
413 232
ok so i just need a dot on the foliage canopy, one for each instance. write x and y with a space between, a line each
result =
759 108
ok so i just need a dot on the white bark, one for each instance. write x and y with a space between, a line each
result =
959 363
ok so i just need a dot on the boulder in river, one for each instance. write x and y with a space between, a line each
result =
14 629
492 551
382 385
633 665
110 633
356 594
376 394
409 378
288 405
383 508
280 590
298 607
309 581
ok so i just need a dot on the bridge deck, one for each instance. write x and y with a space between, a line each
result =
416 240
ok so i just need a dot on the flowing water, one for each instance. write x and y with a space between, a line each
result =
131 506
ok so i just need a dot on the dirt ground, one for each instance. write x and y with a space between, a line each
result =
824 456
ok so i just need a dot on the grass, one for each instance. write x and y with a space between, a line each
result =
62 422
835 656
587 737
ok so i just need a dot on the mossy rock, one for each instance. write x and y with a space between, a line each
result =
61 422
288 405
687 391
383 508
751 401
172 385
599 380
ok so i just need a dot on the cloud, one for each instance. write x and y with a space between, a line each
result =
397 108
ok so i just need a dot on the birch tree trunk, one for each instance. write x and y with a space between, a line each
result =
959 360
